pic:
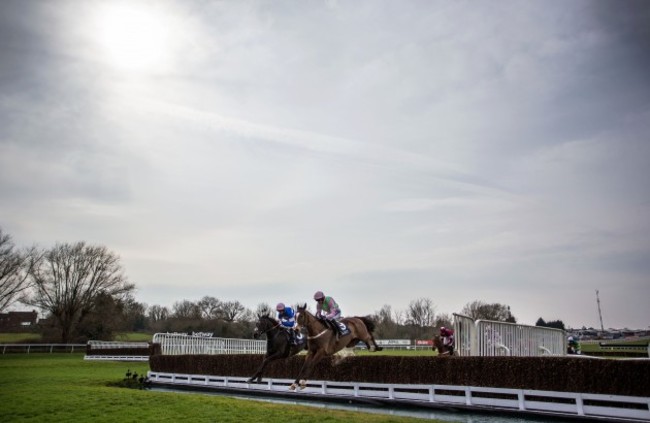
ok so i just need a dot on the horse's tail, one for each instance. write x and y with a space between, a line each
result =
370 324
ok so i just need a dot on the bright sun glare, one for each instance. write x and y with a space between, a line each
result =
133 37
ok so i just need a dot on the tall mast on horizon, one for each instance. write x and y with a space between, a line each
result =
600 314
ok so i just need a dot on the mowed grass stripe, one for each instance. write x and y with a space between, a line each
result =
65 388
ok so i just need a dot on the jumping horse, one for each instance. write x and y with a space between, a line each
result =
278 344
322 341
441 347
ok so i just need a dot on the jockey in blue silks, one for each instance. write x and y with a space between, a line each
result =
288 320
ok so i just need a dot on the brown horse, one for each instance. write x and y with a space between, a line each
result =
322 340
442 348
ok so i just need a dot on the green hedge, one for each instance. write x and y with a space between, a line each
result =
563 374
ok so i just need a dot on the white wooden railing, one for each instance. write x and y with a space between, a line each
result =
179 343
40 348
610 407
490 338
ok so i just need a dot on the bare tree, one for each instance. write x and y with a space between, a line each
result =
187 309
421 312
158 318
14 271
263 309
247 316
211 307
385 315
386 325
443 320
69 277
495 312
157 313
232 310
399 316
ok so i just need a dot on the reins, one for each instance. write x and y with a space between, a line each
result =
270 329
317 336
321 333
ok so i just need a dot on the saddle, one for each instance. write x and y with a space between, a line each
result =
296 337
339 328
343 328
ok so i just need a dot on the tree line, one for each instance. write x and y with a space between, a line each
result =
83 293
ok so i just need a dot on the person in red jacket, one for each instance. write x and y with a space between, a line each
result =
447 336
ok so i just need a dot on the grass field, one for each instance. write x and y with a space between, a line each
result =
19 338
65 388
26 337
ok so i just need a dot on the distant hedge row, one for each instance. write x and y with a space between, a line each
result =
562 374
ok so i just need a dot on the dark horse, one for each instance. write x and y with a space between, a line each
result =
278 344
322 341
442 348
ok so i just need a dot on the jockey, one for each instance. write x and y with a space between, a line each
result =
447 336
288 320
328 309
573 346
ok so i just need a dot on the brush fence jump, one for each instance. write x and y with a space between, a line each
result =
98 346
489 338
606 407
180 343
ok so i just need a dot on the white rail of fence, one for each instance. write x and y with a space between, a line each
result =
105 345
115 345
542 402
116 357
490 338
179 343
41 348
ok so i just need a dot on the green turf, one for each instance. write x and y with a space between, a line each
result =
65 388
133 337
19 338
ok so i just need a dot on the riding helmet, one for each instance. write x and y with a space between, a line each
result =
279 307
319 295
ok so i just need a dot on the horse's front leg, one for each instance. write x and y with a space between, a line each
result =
258 373
260 370
306 370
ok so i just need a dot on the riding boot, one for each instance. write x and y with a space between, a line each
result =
329 325
336 328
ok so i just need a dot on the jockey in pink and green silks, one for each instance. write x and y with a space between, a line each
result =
326 307
329 310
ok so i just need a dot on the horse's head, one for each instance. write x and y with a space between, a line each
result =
302 315
436 343
264 324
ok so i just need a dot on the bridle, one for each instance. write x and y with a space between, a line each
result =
315 336
270 329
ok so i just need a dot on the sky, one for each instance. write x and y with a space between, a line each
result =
379 151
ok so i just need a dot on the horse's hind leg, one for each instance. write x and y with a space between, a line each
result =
372 345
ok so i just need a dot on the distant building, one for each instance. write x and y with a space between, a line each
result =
14 320
608 334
